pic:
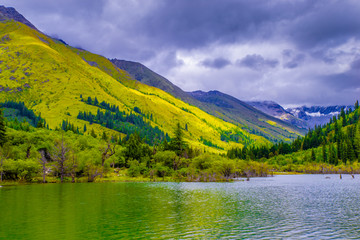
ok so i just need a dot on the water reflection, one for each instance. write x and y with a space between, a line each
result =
304 206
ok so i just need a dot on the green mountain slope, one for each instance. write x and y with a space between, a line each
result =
217 104
148 77
49 77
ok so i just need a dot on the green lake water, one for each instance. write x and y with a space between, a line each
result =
280 207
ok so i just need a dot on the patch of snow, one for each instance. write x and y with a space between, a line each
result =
318 114
334 113
314 114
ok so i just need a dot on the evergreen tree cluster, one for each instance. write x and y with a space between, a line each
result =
209 143
128 124
2 129
339 139
237 137
68 126
23 111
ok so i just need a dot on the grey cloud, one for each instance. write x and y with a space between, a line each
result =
192 24
217 63
343 82
179 24
79 9
355 65
308 24
328 24
292 59
154 31
164 63
347 80
257 62
325 56
170 60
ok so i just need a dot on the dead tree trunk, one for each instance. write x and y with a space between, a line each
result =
43 162
92 176
108 152
60 153
28 152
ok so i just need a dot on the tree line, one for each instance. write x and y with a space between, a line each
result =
43 155
67 154
339 140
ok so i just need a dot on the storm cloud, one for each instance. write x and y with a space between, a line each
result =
291 59
217 63
257 62
286 51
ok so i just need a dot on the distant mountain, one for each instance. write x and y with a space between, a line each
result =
217 104
316 115
274 109
302 117
8 13
237 110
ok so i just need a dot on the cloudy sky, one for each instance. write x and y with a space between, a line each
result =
294 52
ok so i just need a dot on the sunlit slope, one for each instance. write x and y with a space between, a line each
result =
234 111
218 104
50 77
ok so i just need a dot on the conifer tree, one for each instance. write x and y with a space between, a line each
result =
350 151
357 140
324 155
93 134
332 154
178 144
133 147
2 129
104 136
313 157
40 124
342 114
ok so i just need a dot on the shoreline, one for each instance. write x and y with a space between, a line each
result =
158 180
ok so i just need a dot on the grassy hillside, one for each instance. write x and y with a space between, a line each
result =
49 77
217 104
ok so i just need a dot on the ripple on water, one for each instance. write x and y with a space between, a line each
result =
295 207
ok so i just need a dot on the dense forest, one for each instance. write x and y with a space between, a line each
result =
31 152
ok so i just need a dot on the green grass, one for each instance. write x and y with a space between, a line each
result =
50 77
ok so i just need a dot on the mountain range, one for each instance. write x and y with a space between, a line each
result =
217 104
317 115
55 79
302 117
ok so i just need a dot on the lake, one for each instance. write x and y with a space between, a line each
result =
288 206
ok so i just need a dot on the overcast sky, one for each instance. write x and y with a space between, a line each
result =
292 52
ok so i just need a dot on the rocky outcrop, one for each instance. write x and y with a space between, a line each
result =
7 13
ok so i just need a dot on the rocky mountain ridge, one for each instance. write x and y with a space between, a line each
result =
317 115
216 103
7 13
303 117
